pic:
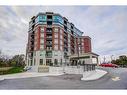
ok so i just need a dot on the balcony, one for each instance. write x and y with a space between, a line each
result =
49 43
49 19
49 33
48 54
48 48
49 30
49 37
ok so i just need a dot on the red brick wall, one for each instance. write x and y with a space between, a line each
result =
87 45
38 37
44 37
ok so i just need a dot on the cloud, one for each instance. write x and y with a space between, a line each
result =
106 25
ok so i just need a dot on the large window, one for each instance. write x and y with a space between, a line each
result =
56 47
49 54
61 36
41 61
42 46
42 35
56 41
42 29
56 29
61 42
61 48
56 35
42 53
55 62
41 18
58 19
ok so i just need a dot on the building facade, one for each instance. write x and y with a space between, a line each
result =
53 40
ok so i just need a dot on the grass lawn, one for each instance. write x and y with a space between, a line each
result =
10 70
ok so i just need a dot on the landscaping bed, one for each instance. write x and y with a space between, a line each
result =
10 70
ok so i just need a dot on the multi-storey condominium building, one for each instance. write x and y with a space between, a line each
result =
53 40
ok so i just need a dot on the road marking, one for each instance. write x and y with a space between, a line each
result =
115 78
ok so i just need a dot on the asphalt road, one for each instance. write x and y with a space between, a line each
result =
115 79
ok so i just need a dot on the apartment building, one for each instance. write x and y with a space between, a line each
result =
53 40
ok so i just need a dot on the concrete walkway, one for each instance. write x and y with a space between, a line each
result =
27 75
93 75
1 78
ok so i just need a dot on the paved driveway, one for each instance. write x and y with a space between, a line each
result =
69 82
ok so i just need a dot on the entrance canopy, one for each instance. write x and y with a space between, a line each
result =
87 57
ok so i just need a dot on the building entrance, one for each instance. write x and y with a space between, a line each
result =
48 62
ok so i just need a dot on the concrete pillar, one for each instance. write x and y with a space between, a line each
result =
91 59
97 60
44 61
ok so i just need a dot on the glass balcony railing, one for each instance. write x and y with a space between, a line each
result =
49 36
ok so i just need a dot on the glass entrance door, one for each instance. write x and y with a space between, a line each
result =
48 61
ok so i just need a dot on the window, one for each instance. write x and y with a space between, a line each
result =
49 62
61 31
34 53
61 36
42 53
56 41
55 29
55 62
40 18
41 61
56 47
56 35
61 42
42 41
58 19
49 54
42 35
61 48
49 16
42 46
42 29
49 22
68 25
30 62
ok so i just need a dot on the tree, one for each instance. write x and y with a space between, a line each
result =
3 59
18 60
122 61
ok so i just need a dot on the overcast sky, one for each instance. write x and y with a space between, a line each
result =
106 25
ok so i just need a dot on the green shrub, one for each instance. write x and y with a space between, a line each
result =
12 70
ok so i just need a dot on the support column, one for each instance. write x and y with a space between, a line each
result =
44 61
97 60
91 59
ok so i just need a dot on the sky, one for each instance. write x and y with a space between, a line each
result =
106 25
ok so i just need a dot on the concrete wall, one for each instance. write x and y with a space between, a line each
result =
69 70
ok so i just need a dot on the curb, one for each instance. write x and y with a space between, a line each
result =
13 77
1 78
95 78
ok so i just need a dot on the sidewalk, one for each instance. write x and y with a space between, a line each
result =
1 78
93 75
27 75
90 75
